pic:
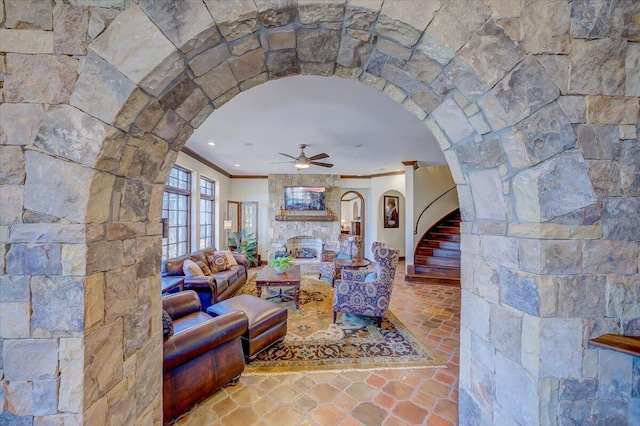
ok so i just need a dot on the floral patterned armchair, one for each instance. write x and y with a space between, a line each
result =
329 269
368 298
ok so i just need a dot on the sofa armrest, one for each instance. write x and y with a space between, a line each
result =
181 304
202 282
195 341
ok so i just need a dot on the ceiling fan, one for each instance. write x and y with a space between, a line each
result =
303 162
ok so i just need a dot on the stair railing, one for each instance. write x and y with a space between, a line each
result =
415 228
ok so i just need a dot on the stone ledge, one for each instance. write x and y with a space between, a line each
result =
629 345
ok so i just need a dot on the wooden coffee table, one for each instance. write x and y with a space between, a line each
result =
268 277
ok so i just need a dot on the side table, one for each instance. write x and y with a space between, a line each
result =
171 283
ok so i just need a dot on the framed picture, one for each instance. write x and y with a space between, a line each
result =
391 211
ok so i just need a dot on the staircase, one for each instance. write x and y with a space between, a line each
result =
437 257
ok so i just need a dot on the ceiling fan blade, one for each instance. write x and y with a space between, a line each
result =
286 155
281 162
318 163
319 156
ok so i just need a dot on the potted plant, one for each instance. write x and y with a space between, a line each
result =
280 264
246 243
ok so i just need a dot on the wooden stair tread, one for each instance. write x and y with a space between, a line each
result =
437 257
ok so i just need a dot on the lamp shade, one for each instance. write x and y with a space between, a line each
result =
227 224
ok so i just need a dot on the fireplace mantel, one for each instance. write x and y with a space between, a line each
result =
305 218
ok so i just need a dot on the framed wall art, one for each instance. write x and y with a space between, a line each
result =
391 211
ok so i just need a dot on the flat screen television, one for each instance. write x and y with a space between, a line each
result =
305 198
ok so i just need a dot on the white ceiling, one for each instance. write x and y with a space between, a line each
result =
363 131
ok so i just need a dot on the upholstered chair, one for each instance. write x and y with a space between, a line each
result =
329 269
372 295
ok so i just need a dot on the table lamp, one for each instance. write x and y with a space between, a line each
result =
227 227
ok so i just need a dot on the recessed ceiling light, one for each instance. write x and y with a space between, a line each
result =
237 165
211 143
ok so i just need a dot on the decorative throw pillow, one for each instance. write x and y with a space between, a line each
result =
230 259
218 262
191 269
204 267
370 277
342 256
167 324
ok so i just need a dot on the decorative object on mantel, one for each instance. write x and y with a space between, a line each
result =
280 264
305 218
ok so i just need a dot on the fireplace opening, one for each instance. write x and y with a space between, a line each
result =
304 248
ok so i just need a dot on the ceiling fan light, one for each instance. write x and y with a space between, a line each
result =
301 165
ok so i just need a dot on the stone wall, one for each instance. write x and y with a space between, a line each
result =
534 103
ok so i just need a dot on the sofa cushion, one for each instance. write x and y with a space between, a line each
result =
191 269
218 262
208 251
222 281
204 266
198 256
230 259
174 266
167 324
232 273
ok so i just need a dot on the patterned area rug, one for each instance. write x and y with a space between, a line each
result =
314 343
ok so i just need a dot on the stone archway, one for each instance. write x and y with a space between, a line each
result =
545 160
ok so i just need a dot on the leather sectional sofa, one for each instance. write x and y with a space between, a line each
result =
212 288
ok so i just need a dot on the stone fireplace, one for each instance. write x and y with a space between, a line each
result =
307 230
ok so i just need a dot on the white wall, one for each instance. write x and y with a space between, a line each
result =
380 186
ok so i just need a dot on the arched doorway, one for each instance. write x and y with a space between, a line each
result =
352 213
91 148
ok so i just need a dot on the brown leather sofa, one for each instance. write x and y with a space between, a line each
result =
213 288
203 355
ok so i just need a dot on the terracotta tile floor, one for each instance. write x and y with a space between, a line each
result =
372 397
